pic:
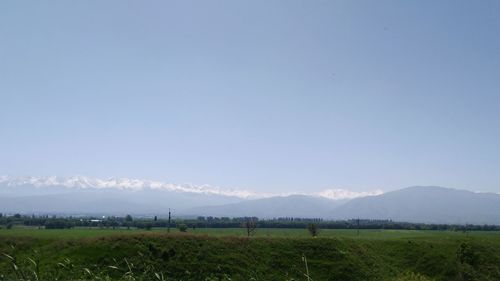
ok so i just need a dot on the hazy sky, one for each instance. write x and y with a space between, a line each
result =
263 95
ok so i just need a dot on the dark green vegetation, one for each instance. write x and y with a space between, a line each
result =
112 222
226 254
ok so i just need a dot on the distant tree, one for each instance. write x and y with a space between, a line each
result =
182 227
128 218
250 225
156 218
313 229
57 224
17 216
9 225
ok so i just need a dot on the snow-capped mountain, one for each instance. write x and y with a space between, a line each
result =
429 204
16 184
120 196
84 195
81 182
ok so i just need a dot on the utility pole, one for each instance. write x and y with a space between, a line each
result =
358 226
168 229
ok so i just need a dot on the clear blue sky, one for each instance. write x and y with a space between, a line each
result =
265 95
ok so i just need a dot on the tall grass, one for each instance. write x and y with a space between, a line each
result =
30 270
205 258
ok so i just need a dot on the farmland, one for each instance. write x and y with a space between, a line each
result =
370 234
227 254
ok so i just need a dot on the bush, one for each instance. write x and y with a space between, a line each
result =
466 254
182 227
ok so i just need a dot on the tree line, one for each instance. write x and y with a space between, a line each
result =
128 221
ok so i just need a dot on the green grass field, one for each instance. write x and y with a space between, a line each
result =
226 254
240 232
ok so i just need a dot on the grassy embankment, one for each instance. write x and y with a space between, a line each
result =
274 254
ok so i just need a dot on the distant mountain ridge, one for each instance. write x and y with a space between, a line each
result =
427 204
50 183
81 182
108 202
83 195
268 208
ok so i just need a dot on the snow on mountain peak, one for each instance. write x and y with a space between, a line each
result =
341 194
82 182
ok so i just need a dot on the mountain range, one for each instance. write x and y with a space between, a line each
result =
430 204
84 196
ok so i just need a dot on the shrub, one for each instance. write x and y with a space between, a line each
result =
182 227
466 254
